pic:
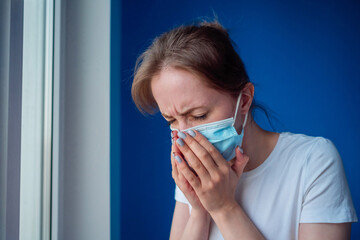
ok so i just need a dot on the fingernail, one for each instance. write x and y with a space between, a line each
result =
191 133
173 154
178 159
241 150
180 142
182 135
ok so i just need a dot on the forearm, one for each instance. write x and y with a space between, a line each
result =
197 226
233 223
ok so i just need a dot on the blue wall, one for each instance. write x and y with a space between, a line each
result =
303 57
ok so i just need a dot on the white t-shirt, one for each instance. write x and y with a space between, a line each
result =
302 181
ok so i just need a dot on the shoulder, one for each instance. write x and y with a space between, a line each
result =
301 148
310 147
319 161
325 193
303 140
311 155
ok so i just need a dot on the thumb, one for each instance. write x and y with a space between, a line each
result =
240 162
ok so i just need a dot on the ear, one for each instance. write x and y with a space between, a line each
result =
246 98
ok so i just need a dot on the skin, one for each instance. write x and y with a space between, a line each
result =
186 101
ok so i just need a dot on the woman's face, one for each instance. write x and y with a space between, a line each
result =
186 101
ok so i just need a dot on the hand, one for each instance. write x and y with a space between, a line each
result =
181 181
213 179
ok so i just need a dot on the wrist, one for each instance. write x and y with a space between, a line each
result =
200 214
234 222
226 211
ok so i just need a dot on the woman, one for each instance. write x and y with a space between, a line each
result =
235 180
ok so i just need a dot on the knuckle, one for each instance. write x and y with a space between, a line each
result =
196 165
225 169
196 183
200 138
203 155
182 167
210 185
217 178
213 151
181 179
189 140
191 179
185 149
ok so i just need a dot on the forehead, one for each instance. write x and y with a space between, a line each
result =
177 89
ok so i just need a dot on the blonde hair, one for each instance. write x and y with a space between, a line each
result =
204 49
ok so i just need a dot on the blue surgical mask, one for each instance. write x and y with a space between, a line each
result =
222 134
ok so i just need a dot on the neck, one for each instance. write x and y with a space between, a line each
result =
257 144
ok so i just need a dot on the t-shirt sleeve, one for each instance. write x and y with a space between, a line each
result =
179 196
327 197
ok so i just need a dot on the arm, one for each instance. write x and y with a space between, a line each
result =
327 196
185 226
214 181
234 224
328 231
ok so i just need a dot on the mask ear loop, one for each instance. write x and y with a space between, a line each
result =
236 111
237 108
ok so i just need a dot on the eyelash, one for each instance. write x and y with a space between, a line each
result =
197 118
202 117
170 122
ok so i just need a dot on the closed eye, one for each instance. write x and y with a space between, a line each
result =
170 122
196 118
202 117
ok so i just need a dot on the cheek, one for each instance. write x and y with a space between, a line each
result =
224 108
223 113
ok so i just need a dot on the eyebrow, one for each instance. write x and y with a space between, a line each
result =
184 113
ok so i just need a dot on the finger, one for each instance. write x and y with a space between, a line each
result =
218 159
179 179
192 159
200 152
175 171
174 168
232 161
240 162
174 148
176 174
188 174
184 185
173 136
